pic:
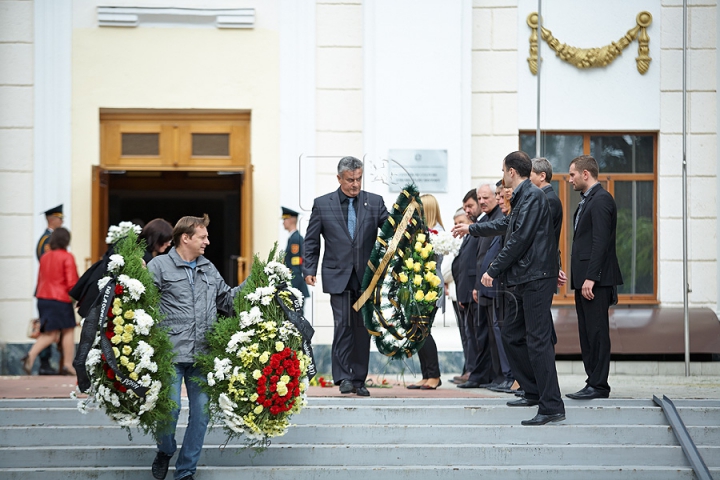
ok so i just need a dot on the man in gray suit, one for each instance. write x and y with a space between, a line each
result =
348 219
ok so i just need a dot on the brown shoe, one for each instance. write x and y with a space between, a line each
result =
461 378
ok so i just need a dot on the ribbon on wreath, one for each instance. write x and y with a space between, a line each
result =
94 323
295 316
381 269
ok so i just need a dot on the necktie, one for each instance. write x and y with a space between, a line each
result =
579 210
351 218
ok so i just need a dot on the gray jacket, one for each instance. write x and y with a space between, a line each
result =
189 312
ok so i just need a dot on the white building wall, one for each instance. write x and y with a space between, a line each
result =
17 210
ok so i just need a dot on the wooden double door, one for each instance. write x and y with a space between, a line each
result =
169 165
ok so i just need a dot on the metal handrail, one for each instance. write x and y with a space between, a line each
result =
686 442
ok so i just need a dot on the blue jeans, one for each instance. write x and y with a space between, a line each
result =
192 444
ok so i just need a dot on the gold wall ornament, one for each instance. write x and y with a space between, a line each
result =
593 57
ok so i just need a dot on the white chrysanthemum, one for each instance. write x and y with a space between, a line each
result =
143 322
210 379
298 294
93 358
102 282
252 317
120 231
135 287
116 262
222 368
225 402
445 244
237 338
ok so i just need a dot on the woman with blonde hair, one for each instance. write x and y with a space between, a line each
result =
428 355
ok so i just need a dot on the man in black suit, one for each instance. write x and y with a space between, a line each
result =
464 273
594 274
348 219
529 258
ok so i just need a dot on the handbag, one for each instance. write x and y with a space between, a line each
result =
33 330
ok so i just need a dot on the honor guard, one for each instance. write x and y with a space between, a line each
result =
294 250
54 218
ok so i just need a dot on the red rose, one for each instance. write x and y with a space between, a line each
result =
118 289
267 370
111 374
261 399
110 314
273 387
109 334
274 379
274 410
296 392
267 403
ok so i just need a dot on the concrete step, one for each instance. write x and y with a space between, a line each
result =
358 414
411 472
475 454
372 435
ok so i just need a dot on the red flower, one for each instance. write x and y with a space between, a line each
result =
118 289
432 231
110 374
274 410
267 403
109 334
119 386
110 314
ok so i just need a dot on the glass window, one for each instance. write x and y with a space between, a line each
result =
623 153
558 149
210 144
635 227
145 144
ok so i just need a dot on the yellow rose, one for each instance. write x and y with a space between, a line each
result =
424 254
118 329
417 280
127 350
285 379
421 237
118 321
257 374
264 357
258 409
409 263
117 311
253 397
127 337
279 346
436 281
428 276
419 295
117 302
134 375
116 339
402 277
431 266
129 328
418 246
431 296
417 267
130 366
282 389
129 315
124 360
116 352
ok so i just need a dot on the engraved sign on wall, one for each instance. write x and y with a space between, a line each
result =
426 168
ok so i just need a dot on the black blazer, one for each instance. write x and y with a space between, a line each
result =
342 253
464 269
556 210
594 255
483 247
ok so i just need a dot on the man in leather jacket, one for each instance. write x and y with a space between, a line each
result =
529 260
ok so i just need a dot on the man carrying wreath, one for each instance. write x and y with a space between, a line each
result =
191 293
348 219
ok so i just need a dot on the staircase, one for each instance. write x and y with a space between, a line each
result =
362 438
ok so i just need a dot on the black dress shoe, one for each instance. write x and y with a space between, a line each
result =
504 387
488 385
588 393
362 391
46 370
346 386
160 465
523 402
519 392
541 419
469 384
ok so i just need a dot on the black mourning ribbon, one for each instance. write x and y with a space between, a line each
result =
94 322
295 317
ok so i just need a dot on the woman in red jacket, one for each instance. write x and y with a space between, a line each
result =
57 275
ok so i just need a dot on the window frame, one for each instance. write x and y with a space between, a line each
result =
566 295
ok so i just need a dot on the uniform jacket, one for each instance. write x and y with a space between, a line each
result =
294 261
593 250
342 253
43 245
57 276
189 312
530 251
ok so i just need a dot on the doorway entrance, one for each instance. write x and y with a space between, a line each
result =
168 164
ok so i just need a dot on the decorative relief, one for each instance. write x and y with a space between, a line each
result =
593 57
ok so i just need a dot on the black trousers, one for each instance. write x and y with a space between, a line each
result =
428 356
351 341
460 318
527 336
594 330
479 362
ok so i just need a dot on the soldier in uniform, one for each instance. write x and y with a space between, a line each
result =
294 251
54 218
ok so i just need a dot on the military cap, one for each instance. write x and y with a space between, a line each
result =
55 212
287 213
